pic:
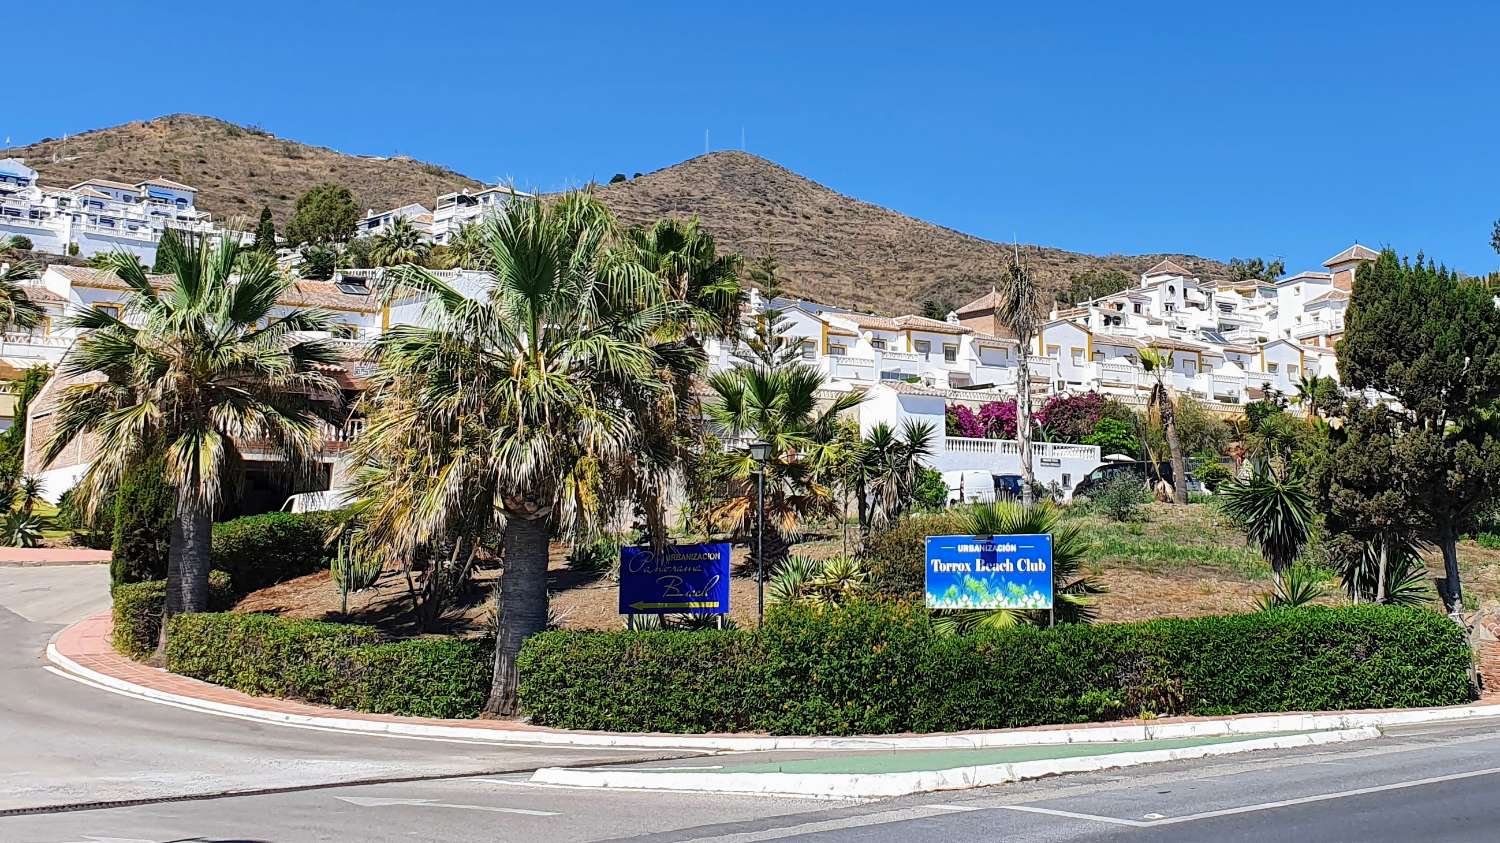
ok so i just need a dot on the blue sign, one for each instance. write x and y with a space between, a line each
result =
683 578
989 572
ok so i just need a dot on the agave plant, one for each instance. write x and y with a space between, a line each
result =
1295 588
21 530
1074 593
354 567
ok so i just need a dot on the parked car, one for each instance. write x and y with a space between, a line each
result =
1143 471
976 486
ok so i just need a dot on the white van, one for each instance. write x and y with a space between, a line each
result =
969 486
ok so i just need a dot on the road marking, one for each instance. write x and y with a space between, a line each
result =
954 808
677 769
550 786
377 802
1249 809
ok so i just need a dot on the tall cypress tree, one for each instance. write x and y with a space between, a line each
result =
265 232
1419 334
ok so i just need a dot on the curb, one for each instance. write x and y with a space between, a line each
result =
874 785
1245 725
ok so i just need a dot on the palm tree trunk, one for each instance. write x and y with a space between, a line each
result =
1023 422
521 603
1174 445
188 557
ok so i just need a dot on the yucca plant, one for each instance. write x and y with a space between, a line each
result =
825 583
1275 511
1406 579
1074 593
1298 587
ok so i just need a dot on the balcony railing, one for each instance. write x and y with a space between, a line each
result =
1010 447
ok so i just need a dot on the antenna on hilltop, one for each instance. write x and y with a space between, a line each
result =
742 139
705 141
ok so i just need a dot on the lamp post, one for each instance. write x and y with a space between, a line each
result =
760 452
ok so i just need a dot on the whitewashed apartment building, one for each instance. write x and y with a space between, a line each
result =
448 214
95 216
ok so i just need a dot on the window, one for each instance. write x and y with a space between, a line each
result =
1137 307
1271 367
1169 307
112 309
809 351
950 353
1067 481
1053 350
922 346
877 344
836 350
1077 356
1291 370
1098 357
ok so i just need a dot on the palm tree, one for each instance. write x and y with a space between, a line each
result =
781 407
1019 308
685 259
888 466
1157 363
16 308
30 492
1074 593
192 371
520 409
466 248
399 244
1275 511
1316 393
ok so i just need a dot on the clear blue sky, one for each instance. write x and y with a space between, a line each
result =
1277 129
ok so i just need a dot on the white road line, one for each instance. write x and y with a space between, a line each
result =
1074 815
709 793
381 802
1250 809
954 808
920 812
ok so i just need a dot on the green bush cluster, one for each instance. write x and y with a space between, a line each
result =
895 557
137 611
341 665
262 550
143 505
878 667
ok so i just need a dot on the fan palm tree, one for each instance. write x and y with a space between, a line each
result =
466 248
1157 363
401 243
1074 593
686 259
781 407
888 466
192 371
1019 308
1316 393
523 408
1276 512
16 308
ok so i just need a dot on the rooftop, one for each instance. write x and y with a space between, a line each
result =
1353 253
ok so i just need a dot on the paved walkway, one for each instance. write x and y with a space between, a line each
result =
28 556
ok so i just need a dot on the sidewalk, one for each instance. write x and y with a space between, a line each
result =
83 652
29 556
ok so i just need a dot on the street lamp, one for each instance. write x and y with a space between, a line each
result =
760 452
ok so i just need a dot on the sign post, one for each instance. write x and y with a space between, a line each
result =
681 579
989 572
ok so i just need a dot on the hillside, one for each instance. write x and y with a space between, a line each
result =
838 250
235 168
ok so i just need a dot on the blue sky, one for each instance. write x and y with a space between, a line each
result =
1277 129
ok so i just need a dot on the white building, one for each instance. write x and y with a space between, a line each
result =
95 216
449 213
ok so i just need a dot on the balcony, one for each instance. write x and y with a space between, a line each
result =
1118 374
1318 329
34 347
1010 447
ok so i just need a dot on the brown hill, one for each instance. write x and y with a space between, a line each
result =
236 169
838 250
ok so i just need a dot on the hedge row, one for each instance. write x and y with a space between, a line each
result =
262 550
332 664
137 611
878 668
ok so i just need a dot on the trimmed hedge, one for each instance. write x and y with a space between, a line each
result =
263 550
341 665
137 612
877 668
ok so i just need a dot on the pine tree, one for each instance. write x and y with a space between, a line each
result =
265 232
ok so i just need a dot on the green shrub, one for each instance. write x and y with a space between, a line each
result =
658 681
1487 540
895 558
1121 498
262 550
877 667
143 508
332 664
137 612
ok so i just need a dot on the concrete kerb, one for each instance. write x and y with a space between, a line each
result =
876 785
1247 725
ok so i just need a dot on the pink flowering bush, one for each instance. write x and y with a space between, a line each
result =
1070 418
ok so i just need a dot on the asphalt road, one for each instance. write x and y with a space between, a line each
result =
1431 783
